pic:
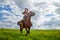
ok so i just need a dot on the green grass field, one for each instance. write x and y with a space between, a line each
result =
14 34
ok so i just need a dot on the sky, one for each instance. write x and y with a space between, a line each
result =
47 13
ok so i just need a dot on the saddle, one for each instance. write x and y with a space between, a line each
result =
23 22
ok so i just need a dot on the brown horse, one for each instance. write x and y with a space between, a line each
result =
27 23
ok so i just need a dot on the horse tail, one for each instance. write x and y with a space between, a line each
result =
20 23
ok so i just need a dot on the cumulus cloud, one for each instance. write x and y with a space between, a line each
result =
47 13
9 17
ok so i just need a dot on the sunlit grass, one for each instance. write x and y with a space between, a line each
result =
14 34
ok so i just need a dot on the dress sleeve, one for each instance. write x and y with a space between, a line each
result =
32 13
22 12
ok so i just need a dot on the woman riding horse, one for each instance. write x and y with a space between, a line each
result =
26 21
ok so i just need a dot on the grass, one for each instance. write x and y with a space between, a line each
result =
14 34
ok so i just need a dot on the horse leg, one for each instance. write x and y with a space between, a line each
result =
21 29
27 30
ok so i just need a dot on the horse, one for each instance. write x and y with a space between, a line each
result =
26 24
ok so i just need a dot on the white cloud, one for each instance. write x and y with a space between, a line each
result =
40 20
13 17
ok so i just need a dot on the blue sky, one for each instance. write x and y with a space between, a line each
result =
47 13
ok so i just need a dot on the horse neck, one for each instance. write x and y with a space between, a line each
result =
28 18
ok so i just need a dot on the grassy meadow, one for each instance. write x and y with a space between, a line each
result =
14 34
